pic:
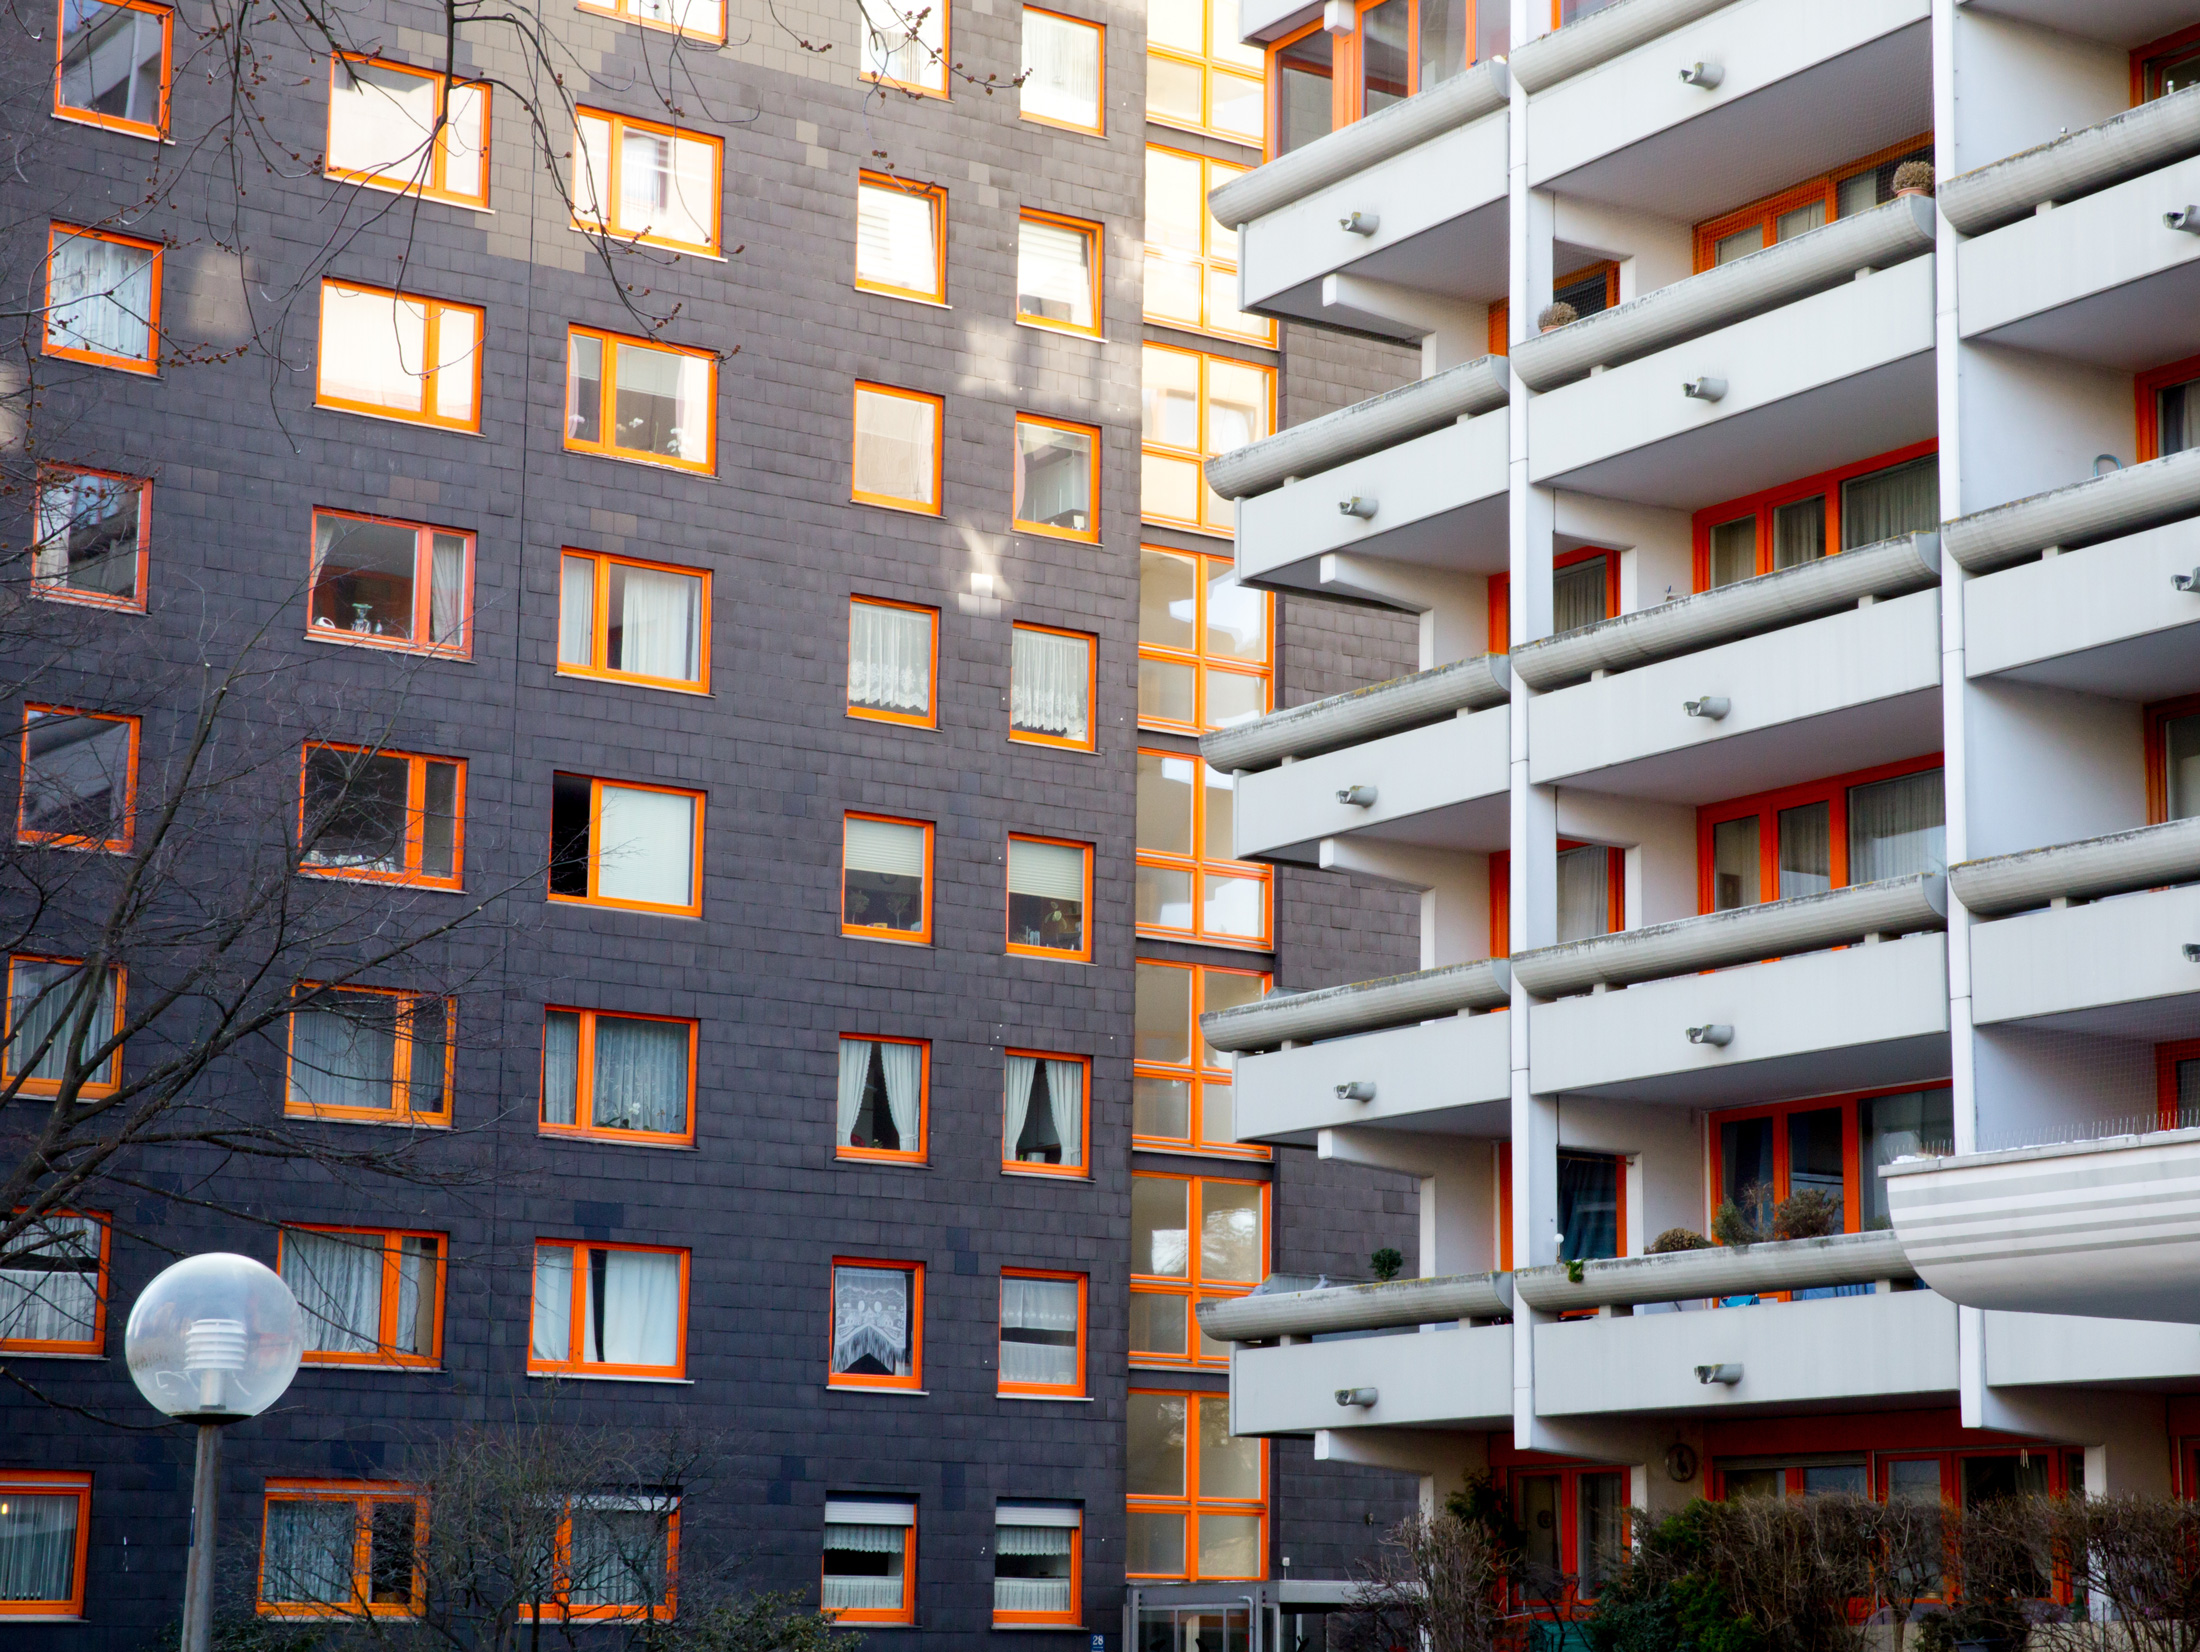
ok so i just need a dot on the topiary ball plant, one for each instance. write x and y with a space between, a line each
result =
1807 1213
1914 178
1675 1239
1556 315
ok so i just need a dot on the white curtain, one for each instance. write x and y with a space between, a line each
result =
1578 595
1023 1070
863 1593
660 630
641 1076
871 1318
897 46
1050 682
102 297
890 658
1048 1307
1054 272
665 187
552 1337
44 997
1887 504
417 1262
379 121
894 227
49 1282
895 446
447 590
462 127
561 1054
1584 893
577 611
308 1553
343 1052
337 1279
641 1308
903 1066
591 169
1048 1545
373 348
855 1073
38 1548
1897 827
646 851
1066 1089
1061 69
618 1554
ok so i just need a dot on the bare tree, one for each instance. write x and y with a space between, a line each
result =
1437 1582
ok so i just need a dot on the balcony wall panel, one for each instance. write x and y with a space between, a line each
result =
1452 1074
2103 620
1461 1376
2099 964
1443 785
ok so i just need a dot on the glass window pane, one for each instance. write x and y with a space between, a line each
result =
1443 42
884 879
1039 1331
1734 551
1163 1107
1157 1323
1223 989
1232 1248
897 447
380 121
1061 69
1799 532
645 846
897 239
1237 616
661 402
1736 871
1237 405
1175 90
101 293
1303 97
1229 1467
1154 1544
343 1051
373 349
111 62
1385 29
363 577
1799 220
356 810
1535 1498
1165 802
1161 1226
1220 795
1164 898
2181 765
1178 23
1903 499
1053 480
1169 489
1046 895
905 43
1746 1171
1894 1127
88 533
890 658
1815 1159
1588 1206
1050 685
584 389
873 1326
641 1076
1229 1545
1234 697
1600 1502
1806 850
1176 208
1217 1114
1163 1017
1740 244
1169 398
1223 44
1236 907
1897 827
1054 273
1584 892
1580 592
1167 690
1167 599
1154 1445
1173 288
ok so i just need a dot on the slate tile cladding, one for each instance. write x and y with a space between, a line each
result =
241 457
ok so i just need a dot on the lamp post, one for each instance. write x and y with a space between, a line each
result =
212 1340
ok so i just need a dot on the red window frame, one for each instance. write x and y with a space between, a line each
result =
54 591
1041 1390
596 785
573 1364
1032 737
1192 1287
563 1610
1082 953
1500 892
45 1086
1198 867
2146 82
922 934
1762 504
584 1080
919 1154
607 396
600 625
1766 806
401 1109
115 123
1082 1169
67 840
385 1351
416 818
2146 388
96 1343
147 365
424 536
1195 1072
433 187
914 1381
78 1486
2168 1114
1189 1504
1569 1526
1824 188
2158 716
430 377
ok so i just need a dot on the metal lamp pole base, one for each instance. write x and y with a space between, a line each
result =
198 1585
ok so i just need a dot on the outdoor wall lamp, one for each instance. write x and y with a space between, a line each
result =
2192 952
1705 75
1358 1089
1726 1376
1711 707
2184 218
1360 797
2186 582
1716 1033
1360 223
1359 1397
1705 389
1358 505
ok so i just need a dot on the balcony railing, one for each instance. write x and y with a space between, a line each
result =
1364 1006
1602 36
2100 507
1788 596
1362 714
1796 268
1805 923
2146 857
1264 1316
2157 132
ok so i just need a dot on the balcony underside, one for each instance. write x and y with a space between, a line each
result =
1452 1076
2103 620
1439 787
2069 1351
1462 258
2118 22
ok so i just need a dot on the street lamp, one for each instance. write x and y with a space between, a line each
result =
213 1339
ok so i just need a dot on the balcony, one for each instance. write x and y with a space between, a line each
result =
1460 1377
1837 693
2043 1351
1361 714
2147 857
1364 1006
1365 427
1451 1074
2116 966
2109 619
2103 507
2077 164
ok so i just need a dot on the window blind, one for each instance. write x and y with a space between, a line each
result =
1053 273
1062 69
1054 870
894 239
885 846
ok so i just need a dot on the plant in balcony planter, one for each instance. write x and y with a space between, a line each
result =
1807 1213
1679 1239
1913 178
1557 315
1730 1227
1386 1263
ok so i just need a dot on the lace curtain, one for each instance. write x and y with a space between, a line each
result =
639 1318
864 1590
1050 683
1897 827
1040 1549
337 1280
890 658
343 1052
102 297
641 1076
871 1319
1048 1309
49 1282
660 627
307 1555
1062 70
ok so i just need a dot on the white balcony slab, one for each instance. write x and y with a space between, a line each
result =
1439 501
1461 1376
1808 1025
1894 1348
1443 786
2100 279
2117 22
1840 375
2116 965
1832 694
2053 1350
1453 1074
2103 620
1803 88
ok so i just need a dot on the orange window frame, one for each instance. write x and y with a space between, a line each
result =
1199 868
68 840
1777 1113
1206 260
1191 1504
573 1364
2158 716
1193 1287
607 401
1080 1171
430 376
922 934
636 11
937 196
78 1486
596 785
2146 388
435 187
363 1495
2146 78
1209 63
51 474
416 818
1154 446
96 1343
46 1086
1034 737
584 1081
1569 1528
424 535
563 1610
1346 100
1021 524
1766 806
147 365
1194 1073
115 123
2168 1115
1017 949
914 1381
930 718
1093 255
1760 506
1197 658
1574 559
918 1154
1499 603
1070 1618
1100 100
385 1350
611 190
401 1110
1045 1390
891 501
599 644
906 1612
1766 210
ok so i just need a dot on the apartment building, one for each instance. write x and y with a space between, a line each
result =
747 532
1797 508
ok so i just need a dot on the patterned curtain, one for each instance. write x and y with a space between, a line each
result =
641 1077
1050 684
889 658
871 1319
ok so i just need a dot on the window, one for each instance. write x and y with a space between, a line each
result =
1037 1563
1198 73
639 622
608 1310
91 530
870 1561
905 43
392 816
79 779
1862 504
901 237
615 1557
1830 834
1053 677
1592 1207
1573 1527
53 1289
1592 890
372 1056
1044 1119
1205 649
391 584
616 844
1857 187
1187 884
103 299
636 180
1757 1477
2165 66
1833 1146
1170 1273
878 1324
1180 1085
619 1077
113 65
2169 407
1191 258
1065 71
1584 589
341 1549
886 879
411 130
893 656
1591 290
44 996
370 1297
897 449
397 356
701 19
45 1523
2173 759
1049 897
1399 47
1057 272
1193 407
1057 478
1198 1504
1042 1334
884 1098
626 398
